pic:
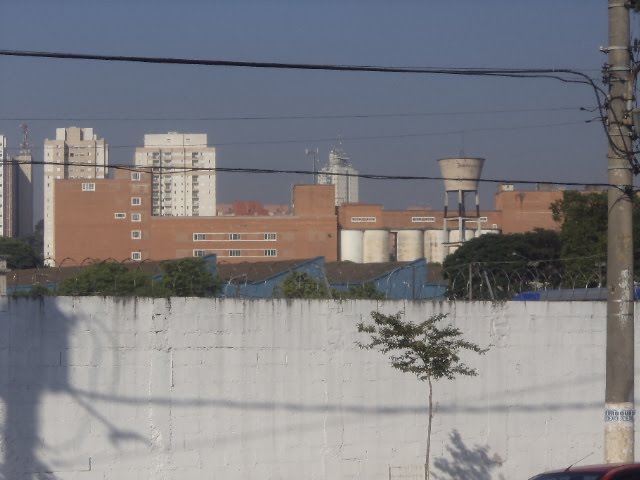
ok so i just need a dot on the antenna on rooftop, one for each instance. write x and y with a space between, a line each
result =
24 144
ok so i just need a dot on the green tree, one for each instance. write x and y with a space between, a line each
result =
19 254
366 291
108 279
507 263
425 349
302 285
36 239
583 232
35 291
189 277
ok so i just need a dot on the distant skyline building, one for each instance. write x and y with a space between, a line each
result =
23 163
74 153
178 188
16 191
4 157
336 173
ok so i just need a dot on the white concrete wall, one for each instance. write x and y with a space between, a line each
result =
199 389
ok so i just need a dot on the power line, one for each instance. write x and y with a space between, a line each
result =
164 170
351 138
565 75
292 117
294 66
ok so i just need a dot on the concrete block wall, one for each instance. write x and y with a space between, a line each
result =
96 388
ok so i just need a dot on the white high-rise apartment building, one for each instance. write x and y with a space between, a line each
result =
75 153
346 186
178 188
4 156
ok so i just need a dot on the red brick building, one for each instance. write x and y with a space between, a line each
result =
111 219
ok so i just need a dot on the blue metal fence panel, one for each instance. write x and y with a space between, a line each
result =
268 287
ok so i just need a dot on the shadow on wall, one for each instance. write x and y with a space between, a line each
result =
35 347
466 463
30 367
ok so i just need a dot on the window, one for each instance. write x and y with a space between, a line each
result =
483 219
136 234
136 176
198 237
271 253
422 219
198 253
88 187
234 236
234 253
136 201
270 236
363 219
136 217
136 256
119 216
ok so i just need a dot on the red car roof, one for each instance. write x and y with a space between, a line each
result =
602 468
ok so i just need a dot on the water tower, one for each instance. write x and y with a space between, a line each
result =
461 177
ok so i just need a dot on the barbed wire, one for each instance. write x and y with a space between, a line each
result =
574 278
579 278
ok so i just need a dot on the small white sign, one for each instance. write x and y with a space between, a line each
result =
619 415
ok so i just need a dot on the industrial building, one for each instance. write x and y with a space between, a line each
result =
112 218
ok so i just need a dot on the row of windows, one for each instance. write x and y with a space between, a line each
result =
270 252
363 219
135 217
202 237
422 219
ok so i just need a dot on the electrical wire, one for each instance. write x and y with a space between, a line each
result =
162 170
15 118
350 138
564 75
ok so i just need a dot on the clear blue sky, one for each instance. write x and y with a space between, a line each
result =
464 33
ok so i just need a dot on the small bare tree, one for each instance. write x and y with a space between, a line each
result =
428 351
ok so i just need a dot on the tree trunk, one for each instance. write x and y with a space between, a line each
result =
426 463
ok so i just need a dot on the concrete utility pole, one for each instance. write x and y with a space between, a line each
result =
619 403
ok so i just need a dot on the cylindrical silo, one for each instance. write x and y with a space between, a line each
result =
410 245
433 246
461 174
351 243
376 246
484 232
454 236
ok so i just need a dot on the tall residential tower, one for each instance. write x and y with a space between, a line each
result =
342 175
4 162
75 153
179 188
24 185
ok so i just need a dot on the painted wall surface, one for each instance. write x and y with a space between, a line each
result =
97 388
